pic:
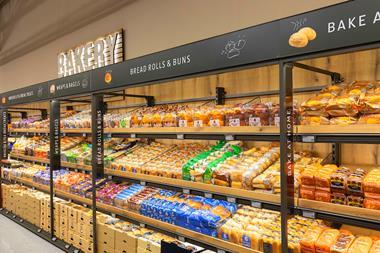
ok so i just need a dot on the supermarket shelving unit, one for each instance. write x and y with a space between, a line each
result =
266 44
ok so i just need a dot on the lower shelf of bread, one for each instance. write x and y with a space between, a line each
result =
212 241
210 188
355 212
47 161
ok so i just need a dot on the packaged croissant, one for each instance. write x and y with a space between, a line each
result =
314 120
316 105
362 244
344 120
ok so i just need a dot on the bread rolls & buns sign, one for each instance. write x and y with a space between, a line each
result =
342 25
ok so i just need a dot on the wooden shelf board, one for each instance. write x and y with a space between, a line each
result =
221 190
218 243
339 129
340 209
47 161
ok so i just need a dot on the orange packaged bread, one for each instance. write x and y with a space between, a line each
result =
372 181
372 203
362 244
343 242
375 247
322 196
310 238
307 192
370 103
346 120
308 175
326 240
322 177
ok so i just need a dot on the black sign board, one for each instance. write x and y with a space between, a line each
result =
343 25
28 94
71 85
4 134
55 136
97 107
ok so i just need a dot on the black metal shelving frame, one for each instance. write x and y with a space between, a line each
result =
206 58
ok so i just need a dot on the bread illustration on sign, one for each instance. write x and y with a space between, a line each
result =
302 37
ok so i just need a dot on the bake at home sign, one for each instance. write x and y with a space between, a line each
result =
103 51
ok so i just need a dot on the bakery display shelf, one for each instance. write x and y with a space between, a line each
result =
45 161
39 232
256 198
356 216
208 240
339 133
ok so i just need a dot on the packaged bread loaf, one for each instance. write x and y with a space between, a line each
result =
344 120
326 240
308 241
372 181
357 201
369 119
338 198
322 177
370 103
343 242
375 247
323 196
314 120
362 244
372 203
355 182
338 180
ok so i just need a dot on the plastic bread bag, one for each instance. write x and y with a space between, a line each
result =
326 240
372 181
310 238
362 244
345 120
314 120
375 247
343 242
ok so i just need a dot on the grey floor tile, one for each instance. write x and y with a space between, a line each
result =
16 239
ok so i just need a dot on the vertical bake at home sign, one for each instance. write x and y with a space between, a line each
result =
103 51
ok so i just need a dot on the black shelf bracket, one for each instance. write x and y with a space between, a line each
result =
335 76
336 153
220 97
150 100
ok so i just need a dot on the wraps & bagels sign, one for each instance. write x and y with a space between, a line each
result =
101 52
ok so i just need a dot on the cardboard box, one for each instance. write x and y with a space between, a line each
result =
125 240
106 235
146 245
105 249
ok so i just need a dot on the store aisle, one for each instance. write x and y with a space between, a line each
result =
16 239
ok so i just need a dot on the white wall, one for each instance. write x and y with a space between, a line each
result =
150 25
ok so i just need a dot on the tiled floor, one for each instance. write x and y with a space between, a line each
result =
16 239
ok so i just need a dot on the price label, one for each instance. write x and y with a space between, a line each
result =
181 238
110 177
63 134
180 136
221 251
256 204
142 225
231 199
229 137
254 121
182 123
109 135
208 195
143 183
133 135
198 123
186 191
113 215
84 134
308 214
308 139
215 123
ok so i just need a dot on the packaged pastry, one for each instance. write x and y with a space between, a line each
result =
217 117
369 119
322 196
308 241
326 240
372 181
375 247
362 244
338 198
355 182
357 201
235 117
372 203
344 120
370 103
343 242
314 120
258 115
338 180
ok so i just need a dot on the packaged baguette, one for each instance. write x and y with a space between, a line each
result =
343 242
362 244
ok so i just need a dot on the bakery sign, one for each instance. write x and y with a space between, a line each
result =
101 52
